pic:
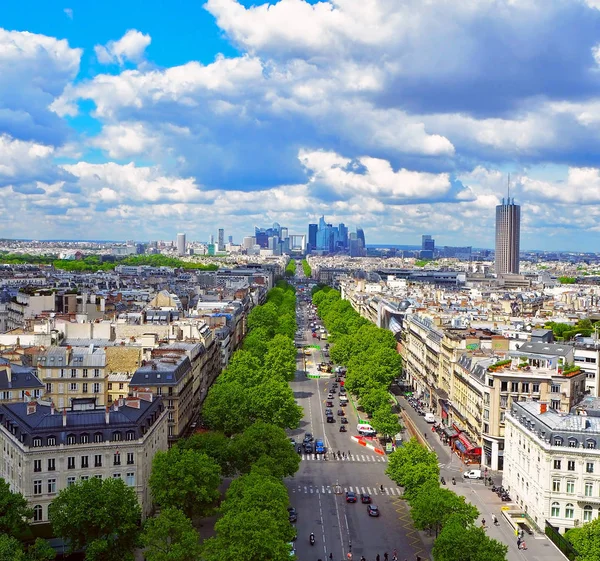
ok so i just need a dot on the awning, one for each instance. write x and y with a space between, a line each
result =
460 446
466 442
450 432
441 393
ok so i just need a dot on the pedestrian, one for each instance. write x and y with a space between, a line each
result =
331 556
377 558
395 555
385 556
519 542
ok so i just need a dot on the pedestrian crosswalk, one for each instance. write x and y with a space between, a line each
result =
340 490
353 458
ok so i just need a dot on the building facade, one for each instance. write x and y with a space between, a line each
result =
508 236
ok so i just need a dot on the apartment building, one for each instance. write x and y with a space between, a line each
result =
169 374
72 372
552 462
44 450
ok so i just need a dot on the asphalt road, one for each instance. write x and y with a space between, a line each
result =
318 489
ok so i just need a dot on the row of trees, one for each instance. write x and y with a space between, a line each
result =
306 268
439 509
290 270
566 331
368 352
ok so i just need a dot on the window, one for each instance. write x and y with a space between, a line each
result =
589 467
98 460
36 442
570 486
85 372
85 461
70 480
502 416
558 441
514 387
129 458
504 386
37 513
85 438
71 462
48 387
117 436
590 443
98 476
72 387
37 465
587 513
117 459
117 475
130 478
62 373
51 464
130 435
571 465
569 510
96 387
556 485
535 388
572 443
96 372
589 488
71 439
555 509
555 404
555 388
37 487
110 385
491 382
84 477
51 486
557 464
525 387
121 385
98 437
171 433
84 387
73 373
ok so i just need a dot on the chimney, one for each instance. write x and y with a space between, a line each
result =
107 415
51 408
65 417
543 408
31 407
116 405
8 372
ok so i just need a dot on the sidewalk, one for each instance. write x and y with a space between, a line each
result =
539 547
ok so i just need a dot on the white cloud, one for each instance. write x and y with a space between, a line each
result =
129 48
582 186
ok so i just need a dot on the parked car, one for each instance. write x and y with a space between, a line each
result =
373 510
329 403
330 419
350 497
293 515
340 413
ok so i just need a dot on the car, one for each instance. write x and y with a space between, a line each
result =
308 437
330 419
334 385
332 390
340 413
330 395
473 474
314 335
292 549
429 418
344 420
308 448
342 389
292 514
328 411
329 403
293 441
365 498
372 510
319 447
350 497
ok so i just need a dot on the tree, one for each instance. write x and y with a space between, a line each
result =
280 358
185 479
14 512
101 516
170 537
11 549
273 402
434 505
244 368
267 445
40 550
264 316
374 399
256 343
457 543
411 466
214 444
385 421
586 540
227 407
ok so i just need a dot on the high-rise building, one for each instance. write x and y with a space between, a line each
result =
427 247
221 240
230 238
360 234
508 235
180 244
312 236
249 242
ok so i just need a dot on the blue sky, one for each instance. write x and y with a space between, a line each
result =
141 119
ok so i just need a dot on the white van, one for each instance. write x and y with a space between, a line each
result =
473 474
429 418
343 400
365 429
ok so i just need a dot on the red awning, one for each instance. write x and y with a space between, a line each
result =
465 441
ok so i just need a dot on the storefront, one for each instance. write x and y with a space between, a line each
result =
466 450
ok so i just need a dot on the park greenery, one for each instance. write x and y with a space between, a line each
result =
566 331
567 280
586 540
368 352
93 263
438 509
290 270
306 268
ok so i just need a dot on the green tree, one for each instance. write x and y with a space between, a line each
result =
586 540
374 399
459 543
101 516
227 407
306 268
256 343
40 550
11 549
170 537
214 444
280 358
412 465
273 401
244 368
185 479
385 421
265 316
267 445
14 512
434 505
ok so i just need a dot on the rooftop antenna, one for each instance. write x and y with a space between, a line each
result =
508 188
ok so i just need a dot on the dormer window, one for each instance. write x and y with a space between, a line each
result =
557 441
572 442
51 441
71 439
85 438
36 442
98 437
590 443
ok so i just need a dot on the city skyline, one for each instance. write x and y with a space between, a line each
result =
116 102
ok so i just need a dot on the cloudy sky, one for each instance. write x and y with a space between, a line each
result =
143 118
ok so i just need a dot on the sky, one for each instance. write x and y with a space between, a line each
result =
141 119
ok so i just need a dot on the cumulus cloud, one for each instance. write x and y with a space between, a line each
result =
129 48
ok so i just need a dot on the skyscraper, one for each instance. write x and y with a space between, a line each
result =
221 240
180 244
360 234
427 247
312 236
508 235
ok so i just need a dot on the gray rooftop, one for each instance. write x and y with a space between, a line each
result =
21 378
553 349
164 371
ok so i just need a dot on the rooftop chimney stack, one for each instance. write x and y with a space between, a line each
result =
107 415
65 417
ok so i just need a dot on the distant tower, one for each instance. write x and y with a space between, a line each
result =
508 235
180 244
221 239
427 247
312 236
